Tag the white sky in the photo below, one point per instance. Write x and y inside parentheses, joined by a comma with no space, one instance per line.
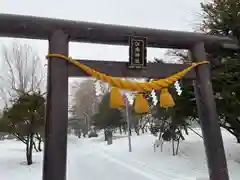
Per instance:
(162,14)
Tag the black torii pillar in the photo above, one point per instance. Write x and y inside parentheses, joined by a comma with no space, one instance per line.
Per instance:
(209,119)
(55,149)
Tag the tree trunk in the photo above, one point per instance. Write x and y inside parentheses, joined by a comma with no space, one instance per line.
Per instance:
(125,129)
(84,134)
(79,134)
(109,136)
(35,147)
(39,138)
(120,129)
(178,142)
(173,148)
(160,136)
(105,135)
(29,148)
(137,130)
(39,144)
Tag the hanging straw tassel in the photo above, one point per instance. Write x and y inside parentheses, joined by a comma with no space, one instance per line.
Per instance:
(166,99)
(141,105)
(116,99)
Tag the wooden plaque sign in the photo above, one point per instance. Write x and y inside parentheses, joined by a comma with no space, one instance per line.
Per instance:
(137,52)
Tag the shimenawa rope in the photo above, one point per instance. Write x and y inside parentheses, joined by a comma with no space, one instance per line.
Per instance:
(141,104)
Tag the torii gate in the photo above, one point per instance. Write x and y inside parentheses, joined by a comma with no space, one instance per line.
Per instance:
(60,32)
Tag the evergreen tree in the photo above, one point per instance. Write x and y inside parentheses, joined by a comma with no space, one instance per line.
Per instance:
(107,118)
(24,119)
(220,18)
(170,122)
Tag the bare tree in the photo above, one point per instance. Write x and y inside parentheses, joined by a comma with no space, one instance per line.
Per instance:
(22,70)
(85,101)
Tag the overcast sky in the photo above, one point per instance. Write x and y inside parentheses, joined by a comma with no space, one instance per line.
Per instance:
(161,14)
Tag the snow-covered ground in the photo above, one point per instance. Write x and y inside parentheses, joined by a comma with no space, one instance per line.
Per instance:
(91,159)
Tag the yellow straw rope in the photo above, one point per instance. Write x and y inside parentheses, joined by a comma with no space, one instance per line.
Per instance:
(128,85)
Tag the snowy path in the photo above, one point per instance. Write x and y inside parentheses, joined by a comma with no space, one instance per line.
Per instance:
(95,166)
(96,162)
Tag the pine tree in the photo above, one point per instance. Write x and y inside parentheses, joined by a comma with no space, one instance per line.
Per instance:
(107,118)
(220,17)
